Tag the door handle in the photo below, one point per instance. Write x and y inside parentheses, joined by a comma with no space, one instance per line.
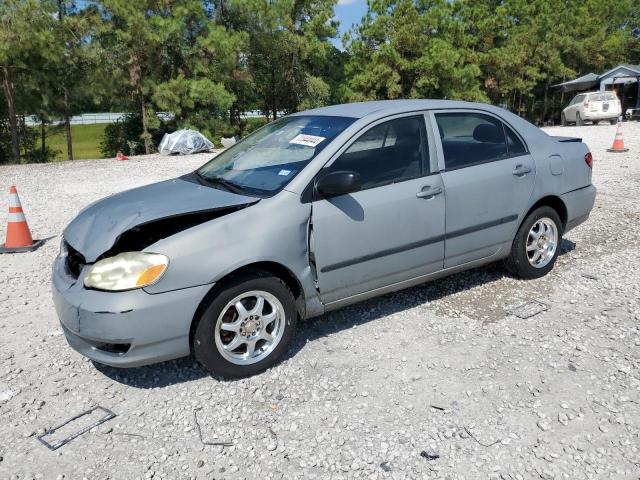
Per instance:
(428,192)
(521,170)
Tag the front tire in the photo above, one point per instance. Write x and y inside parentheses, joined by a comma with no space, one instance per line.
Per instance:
(613,121)
(536,245)
(563,120)
(247,326)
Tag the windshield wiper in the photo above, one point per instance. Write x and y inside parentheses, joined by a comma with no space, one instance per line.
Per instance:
(229,186)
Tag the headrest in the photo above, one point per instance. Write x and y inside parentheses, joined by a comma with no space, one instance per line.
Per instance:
(408,137)
(488,133)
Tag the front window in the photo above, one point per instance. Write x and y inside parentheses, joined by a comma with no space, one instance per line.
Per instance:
(265,161)
(390,152)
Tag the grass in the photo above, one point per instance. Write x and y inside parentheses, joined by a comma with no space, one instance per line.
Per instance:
(86,141)
(87,138)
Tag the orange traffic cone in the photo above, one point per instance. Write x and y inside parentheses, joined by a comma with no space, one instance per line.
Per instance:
(121,156)
(618,142)
(18,234)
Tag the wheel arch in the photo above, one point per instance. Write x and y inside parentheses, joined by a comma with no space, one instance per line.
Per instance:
(554,202)
(275,268)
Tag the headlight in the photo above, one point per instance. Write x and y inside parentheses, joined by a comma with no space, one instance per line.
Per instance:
(126,271)
(63,248)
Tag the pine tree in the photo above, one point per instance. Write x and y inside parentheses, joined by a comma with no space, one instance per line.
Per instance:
(27,46)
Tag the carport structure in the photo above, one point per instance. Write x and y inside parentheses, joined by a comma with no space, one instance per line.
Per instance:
(624,79)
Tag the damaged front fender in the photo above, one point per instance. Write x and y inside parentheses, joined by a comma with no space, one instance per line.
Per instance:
(135,219)
(274,231)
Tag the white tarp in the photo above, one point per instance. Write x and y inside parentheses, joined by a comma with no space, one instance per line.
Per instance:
(184,142)
(228,142)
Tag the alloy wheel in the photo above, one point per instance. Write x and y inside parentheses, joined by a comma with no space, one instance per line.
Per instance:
(250,327)
(542,242)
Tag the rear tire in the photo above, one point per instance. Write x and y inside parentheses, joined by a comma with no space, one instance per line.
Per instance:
(563,120)
(536,245)
(613,121)
(596,122)
(238,334)
(579,121)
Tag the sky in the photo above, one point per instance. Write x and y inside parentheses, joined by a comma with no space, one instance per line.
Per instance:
(348,12)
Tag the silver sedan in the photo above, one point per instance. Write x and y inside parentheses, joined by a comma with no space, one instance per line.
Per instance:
(312,212)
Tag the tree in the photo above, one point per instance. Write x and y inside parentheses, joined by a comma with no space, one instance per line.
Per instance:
(135,34)
(78,56)
(288,52)
(206,58)
(542,42)
(209,61)
(27,47)
(509,52)
(407,49)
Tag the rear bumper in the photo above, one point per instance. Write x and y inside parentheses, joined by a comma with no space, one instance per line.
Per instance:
(601,115)
(124,329)
(579,204)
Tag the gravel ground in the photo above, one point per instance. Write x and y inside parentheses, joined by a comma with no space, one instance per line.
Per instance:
(438,381)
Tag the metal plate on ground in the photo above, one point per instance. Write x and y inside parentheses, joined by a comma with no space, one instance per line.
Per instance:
(528,309)
(87,416)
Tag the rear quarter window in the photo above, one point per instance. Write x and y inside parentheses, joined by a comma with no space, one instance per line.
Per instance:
(514,144)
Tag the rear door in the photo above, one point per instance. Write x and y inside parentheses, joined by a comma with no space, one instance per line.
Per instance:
(393,229)
(488,178)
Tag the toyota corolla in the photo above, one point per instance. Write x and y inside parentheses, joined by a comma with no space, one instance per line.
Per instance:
(312,212)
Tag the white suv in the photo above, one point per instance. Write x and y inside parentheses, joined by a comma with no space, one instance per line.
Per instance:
(593,106)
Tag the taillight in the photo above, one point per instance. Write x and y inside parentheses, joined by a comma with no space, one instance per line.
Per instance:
(586,104)
(588,158)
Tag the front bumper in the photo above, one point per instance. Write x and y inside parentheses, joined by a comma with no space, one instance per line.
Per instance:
(124,329)
(579,204)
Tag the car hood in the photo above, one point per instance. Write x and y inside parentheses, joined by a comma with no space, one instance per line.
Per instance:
(96,228)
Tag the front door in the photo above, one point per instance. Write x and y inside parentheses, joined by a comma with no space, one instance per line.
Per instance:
(393,229)
(488,179)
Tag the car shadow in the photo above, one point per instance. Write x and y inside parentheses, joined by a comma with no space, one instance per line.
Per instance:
(157,375)
(188,369)
(389,304)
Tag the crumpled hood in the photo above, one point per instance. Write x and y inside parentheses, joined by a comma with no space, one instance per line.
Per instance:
(98,226)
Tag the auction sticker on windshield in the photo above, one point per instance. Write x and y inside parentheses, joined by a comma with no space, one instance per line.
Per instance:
(306,140)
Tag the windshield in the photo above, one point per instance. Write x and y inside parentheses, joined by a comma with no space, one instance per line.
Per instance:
(265,161)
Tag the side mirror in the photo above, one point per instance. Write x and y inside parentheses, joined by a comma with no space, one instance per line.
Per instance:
(338,183)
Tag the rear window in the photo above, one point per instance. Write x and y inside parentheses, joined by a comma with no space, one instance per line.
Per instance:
(602,97)
(470,139)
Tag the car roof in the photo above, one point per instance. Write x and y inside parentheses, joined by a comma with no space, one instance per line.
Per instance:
(362,109)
